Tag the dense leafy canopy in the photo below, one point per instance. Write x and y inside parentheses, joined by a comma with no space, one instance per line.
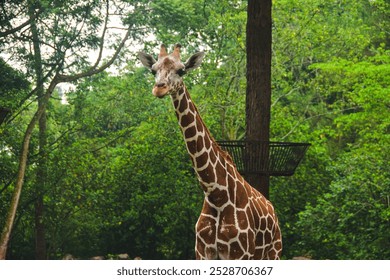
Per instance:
(119,178)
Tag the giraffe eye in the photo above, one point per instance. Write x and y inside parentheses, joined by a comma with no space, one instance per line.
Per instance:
(181,72)
(154,72)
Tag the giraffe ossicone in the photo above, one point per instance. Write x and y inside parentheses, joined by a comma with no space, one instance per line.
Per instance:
(236,221)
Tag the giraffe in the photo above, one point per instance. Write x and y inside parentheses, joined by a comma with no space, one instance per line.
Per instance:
(236,221)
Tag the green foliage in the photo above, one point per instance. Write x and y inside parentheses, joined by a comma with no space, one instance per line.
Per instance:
(119,177)
(14,87)
(351,221)
(330,73)
(158,194)
(354,210)
(360,92)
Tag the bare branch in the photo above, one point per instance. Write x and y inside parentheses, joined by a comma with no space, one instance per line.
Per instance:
(94,70)
(103,36)
(18,28)
(15,29)
(284,95)
(117,28)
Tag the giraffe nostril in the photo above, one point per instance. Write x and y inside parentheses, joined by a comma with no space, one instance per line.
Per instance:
(160,85)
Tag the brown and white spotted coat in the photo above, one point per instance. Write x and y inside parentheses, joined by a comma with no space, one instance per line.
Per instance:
(237,221)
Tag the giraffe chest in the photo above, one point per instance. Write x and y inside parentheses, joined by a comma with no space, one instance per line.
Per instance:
(224,234)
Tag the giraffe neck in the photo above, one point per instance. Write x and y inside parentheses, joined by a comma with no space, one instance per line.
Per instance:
(236,221)
(211,164)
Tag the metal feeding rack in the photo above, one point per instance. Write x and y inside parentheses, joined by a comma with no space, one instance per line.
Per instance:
(281,158)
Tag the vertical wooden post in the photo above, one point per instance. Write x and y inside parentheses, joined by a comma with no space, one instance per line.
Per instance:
(258,92)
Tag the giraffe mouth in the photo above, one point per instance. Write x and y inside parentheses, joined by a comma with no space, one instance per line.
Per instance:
(160,91)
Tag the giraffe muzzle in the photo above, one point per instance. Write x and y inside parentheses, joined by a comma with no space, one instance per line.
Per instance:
(160,90)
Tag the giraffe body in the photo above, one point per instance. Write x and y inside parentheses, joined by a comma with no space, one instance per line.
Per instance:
(237,221)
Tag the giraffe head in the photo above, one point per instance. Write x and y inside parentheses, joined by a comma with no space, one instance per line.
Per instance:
(168,69)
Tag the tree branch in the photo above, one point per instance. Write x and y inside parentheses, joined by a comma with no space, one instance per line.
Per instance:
(283,95)
(103,36)
(94,70)
(15,29)
(315,116)
(24,24)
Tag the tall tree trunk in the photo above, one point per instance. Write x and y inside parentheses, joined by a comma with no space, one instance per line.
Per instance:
(258,92)
(41,173)
(42,101)
(41,178)
(7,229)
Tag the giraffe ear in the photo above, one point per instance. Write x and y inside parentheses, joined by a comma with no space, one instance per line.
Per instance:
(146,59)
(194,61)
